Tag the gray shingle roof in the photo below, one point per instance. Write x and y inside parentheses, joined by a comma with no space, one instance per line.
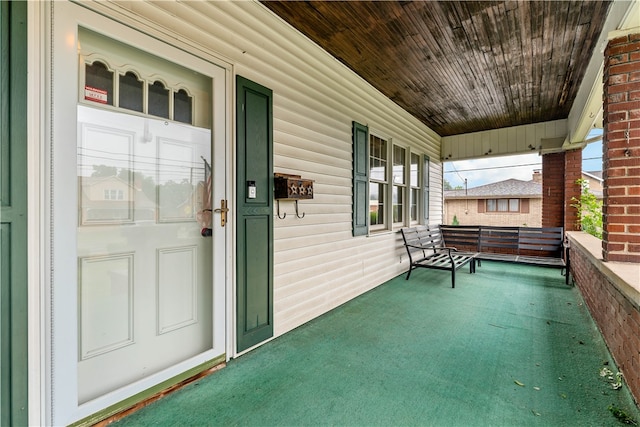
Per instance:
(501,189)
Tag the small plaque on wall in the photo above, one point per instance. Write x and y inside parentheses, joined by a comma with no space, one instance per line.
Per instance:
(292,187)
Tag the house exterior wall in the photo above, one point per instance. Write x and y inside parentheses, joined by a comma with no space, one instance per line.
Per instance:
(466,211)
(318,264)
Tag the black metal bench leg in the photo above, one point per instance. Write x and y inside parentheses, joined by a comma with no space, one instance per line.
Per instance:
(408,273)
(453,277)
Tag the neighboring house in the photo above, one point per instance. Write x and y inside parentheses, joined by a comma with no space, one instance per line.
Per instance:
(594,183)
(510,203)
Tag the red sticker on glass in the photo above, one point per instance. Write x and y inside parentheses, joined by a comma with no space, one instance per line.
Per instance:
(95,94)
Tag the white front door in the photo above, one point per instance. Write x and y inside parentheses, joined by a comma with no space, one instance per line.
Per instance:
(138,163)
(144,269)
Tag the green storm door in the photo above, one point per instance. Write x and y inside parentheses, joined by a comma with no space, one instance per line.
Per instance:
(254,309)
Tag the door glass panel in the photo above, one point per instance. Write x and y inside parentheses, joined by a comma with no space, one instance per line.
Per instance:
(98,83)
(130,92)
(182,105)
(158,100)
(144,269)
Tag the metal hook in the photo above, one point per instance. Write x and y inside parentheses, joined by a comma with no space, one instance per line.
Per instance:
(278,210)
(296,202)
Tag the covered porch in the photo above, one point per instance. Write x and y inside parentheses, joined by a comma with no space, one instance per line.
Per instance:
(511,345)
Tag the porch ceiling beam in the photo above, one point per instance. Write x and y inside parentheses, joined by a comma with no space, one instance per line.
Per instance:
(525,139)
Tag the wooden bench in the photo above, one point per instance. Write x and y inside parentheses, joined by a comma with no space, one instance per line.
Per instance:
(426,249)
(543,246)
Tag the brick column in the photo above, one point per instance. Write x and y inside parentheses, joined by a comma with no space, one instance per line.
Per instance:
(553,190)
(560,171)
(621,150)
(572,190)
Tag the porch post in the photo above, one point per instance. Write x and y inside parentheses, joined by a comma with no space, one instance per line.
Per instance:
(560,171)
(572,190)
(621,149)
(553,190)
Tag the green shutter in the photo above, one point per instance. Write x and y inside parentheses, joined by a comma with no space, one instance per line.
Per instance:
(254,217)
(13,213)
(360,135)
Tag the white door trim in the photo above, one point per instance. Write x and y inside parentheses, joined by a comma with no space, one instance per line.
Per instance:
(58,236)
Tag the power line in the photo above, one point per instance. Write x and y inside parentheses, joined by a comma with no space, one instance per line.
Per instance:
(456,171)
(493,167)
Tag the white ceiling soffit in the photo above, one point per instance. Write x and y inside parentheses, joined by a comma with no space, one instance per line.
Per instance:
(586,112)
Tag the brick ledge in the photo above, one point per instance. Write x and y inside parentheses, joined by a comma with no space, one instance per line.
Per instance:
(625,276)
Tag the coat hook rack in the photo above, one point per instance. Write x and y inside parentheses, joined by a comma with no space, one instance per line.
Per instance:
(291,188)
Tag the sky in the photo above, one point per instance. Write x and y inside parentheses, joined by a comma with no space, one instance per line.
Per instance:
(494,169)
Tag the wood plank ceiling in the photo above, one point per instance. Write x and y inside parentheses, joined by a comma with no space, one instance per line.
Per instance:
(460,66)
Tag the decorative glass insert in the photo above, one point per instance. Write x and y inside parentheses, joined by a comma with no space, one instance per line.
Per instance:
(182,107)
(98,83)
(158,100)
(131,96)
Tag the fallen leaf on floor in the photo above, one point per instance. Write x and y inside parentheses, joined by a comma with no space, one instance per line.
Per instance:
(518,383)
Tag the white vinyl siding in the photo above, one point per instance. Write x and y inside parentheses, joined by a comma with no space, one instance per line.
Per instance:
(318,263)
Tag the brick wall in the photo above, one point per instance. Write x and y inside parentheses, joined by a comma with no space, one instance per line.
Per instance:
(553,190)
(621,150)
(467,214)
(617,317)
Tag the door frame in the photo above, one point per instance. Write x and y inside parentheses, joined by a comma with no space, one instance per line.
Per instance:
(45,232)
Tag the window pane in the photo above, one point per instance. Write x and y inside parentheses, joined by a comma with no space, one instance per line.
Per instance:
(502,205)
(378,158)
(376,203)
(98,83)
(514,205)
(414,204)
(491,205)
(415,161)
(130,92)
(158,100)
(397,199)
(182,106)
(398,165)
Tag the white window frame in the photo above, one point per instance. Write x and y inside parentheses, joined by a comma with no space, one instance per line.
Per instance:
(404,188)
(399,185)
(381,183)
(417,188)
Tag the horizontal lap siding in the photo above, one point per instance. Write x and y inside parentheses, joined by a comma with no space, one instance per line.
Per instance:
(318,264)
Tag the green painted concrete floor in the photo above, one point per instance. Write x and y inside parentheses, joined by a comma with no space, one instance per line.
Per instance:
(509,346)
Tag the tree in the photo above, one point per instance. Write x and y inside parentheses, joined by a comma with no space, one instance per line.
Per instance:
(589,210)
(447,185)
